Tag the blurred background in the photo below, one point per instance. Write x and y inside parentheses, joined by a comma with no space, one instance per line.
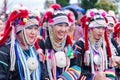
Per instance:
(81,6)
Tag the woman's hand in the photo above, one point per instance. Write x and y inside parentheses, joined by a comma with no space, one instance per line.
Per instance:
(100,76)
(117,60)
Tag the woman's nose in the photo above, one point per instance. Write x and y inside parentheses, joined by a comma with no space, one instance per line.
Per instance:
(34,31)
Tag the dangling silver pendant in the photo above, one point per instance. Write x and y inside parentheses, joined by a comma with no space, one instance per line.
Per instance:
(97,60)
(32,63)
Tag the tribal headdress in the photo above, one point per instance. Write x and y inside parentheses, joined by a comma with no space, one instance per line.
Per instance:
(18,19)
(55,15)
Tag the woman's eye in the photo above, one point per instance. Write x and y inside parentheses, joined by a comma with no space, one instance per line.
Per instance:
(29,28)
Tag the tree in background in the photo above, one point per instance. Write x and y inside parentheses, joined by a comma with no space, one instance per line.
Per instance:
(88,4)
(107,5)
(99,4)
(63,2)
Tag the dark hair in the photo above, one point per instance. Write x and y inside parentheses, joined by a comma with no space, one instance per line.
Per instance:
(74,12)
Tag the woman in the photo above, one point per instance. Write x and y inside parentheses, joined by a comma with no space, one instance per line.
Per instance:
(58,44)
(93,57)
(75,30)
(19,59)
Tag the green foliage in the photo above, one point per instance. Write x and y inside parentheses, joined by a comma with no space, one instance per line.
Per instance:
(99,4)
(63,2)
(88,4)
(104,4)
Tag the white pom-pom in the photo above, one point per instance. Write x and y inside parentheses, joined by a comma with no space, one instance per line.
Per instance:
(111,13)
(60,59)
(39,51)
(97,60)
(32,64)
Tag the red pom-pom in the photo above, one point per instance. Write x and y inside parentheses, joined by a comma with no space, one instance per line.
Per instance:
(55,6)
(68,40)
(48,14)
(70,17)
(108,44)
(116,29)
(75,55)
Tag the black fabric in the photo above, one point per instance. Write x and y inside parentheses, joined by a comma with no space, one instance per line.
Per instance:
(79,60)
(5,74)
(116,46)
(118,50)
(43,65)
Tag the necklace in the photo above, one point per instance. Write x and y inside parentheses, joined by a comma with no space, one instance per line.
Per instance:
(57,46)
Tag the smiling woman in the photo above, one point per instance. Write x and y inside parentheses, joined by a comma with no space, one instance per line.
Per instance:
(19,59)
(58,45)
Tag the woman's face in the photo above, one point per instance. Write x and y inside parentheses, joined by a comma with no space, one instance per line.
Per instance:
(31,34)
(60,31)
(110,29)
(97,32)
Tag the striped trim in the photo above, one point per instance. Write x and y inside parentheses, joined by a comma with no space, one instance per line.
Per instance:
(4,63)
(83,77)
(61,19)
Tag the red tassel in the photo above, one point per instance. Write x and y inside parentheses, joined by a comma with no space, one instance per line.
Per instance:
(107,44)
(9,19)
(84,20)
(68,40)
(36,43)
(114,19)
(42,20)
(106,19)
(6,33)
(38,19)
(39,51)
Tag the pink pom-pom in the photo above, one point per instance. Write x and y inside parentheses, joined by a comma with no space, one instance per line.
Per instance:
(103,14)
(20,22)
(51,20)
(92,13)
